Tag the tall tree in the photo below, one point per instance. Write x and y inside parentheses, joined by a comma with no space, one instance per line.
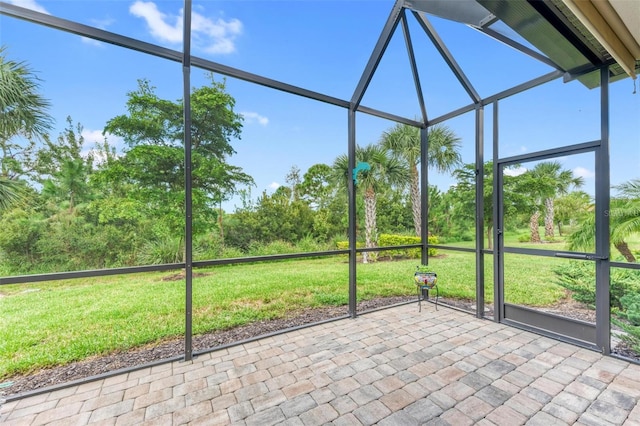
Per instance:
(69,184)
(542,184)
(23,114)
(63,168)
(443,154)
(68,146)
(154,160)
(563,181)
(294,180)
(383,171)
(464,192)
(316,186)
(571,209)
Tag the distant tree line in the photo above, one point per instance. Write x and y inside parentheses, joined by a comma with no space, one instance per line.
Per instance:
(67,206)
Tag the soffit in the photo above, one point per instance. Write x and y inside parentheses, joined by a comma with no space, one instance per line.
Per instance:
(577,43)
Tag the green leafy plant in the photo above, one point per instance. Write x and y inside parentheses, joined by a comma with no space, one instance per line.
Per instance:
(579,278)
(631,313)
(162,250)
(398,240)
(631,308)
(524,238)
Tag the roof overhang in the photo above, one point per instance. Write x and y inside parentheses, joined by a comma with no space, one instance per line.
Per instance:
(615,24)
(577,37)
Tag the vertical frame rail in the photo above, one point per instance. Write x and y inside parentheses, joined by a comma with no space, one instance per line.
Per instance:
(603,240)
(424,194)
(351,189)
(498,272)
(480,212)
(188,229)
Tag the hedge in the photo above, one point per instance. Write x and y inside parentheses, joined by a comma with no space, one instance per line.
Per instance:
(397,240)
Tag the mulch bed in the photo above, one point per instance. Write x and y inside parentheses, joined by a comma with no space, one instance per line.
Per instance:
(175,347)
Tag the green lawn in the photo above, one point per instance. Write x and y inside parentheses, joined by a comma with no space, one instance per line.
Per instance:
(45,324)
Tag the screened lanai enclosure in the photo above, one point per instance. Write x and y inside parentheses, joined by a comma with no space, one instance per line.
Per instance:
(333,148)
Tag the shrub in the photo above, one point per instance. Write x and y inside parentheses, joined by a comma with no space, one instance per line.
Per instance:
(209,246)
(344,245)
(631,334)
(274,247)
(397,240)
(631,308)
(578,277)
(309,244)
(162,250)
(231,252)
(467,237)
(631,327)
(21,231)
(524,238)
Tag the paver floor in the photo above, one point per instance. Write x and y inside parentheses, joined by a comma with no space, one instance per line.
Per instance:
(391,367)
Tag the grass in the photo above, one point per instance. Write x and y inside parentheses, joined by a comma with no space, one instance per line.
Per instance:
(48,324)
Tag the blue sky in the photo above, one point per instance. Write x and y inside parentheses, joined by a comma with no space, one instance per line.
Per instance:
(322,46)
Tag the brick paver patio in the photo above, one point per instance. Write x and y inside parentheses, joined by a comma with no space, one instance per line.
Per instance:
(391,367)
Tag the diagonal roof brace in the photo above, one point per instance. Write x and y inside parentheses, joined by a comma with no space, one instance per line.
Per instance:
(447,56)
(378,51)
(414,67)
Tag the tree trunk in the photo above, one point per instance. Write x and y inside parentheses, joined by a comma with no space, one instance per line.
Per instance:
(548,218)
(416,202)
(489,234)
(533,227)
(370,225)
(221,227)
(623,248)
(559,229)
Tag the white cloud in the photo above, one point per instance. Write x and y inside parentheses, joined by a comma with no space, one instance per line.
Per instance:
(213,36)
(103,23)
(156,20)
(29,4)
(93,137)
(90,41)
(254,117)
(274,185)
(517,171)
(582,172)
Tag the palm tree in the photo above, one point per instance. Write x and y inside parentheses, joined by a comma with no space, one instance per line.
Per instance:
(543,183)
(383,171)
(22,113)
(22,108)
(624,221)
(403,141)
(563,180)
(10,193)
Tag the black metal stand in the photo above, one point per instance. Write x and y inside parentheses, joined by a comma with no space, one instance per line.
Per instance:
(423,294)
